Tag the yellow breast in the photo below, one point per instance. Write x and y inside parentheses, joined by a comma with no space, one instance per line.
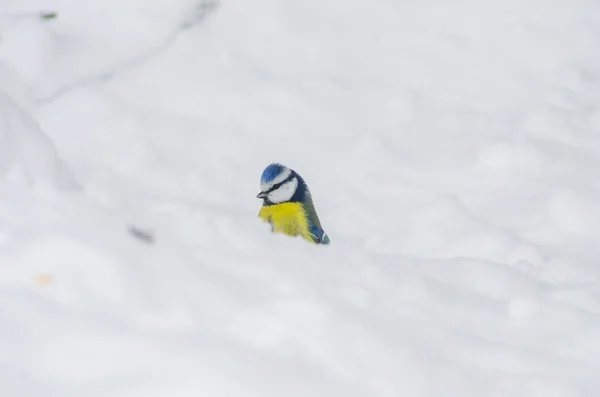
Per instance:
(287,218)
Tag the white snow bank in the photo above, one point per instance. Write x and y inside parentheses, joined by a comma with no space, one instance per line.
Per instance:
(452,151)
(27,155)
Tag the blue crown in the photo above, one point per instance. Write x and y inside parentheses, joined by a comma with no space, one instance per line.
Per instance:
(271,172)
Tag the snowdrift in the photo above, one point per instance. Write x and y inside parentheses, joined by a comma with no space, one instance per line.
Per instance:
(451,148)
(27,154)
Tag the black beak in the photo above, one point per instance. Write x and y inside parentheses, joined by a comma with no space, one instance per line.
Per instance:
(261,195)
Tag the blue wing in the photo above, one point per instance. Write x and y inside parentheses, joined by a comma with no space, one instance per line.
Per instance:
(320,237)
(314,224)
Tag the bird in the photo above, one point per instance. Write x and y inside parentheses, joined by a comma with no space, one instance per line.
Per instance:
(288,205)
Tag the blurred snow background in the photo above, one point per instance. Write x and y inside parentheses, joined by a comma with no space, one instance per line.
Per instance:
(452,149)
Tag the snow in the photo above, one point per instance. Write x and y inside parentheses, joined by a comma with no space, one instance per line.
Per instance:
(451,149)
(28,155)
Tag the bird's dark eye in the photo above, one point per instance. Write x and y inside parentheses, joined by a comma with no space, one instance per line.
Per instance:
(278,185)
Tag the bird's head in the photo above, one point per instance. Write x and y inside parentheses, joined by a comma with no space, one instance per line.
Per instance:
(280,184)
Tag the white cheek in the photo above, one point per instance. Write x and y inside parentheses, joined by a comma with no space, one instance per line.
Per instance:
(284,193)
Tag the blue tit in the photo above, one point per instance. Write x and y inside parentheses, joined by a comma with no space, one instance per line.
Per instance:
(288,205)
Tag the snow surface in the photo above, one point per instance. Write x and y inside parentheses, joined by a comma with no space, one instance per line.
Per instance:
(452,149)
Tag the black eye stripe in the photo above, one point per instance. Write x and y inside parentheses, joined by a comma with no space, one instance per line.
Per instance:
(278,185)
